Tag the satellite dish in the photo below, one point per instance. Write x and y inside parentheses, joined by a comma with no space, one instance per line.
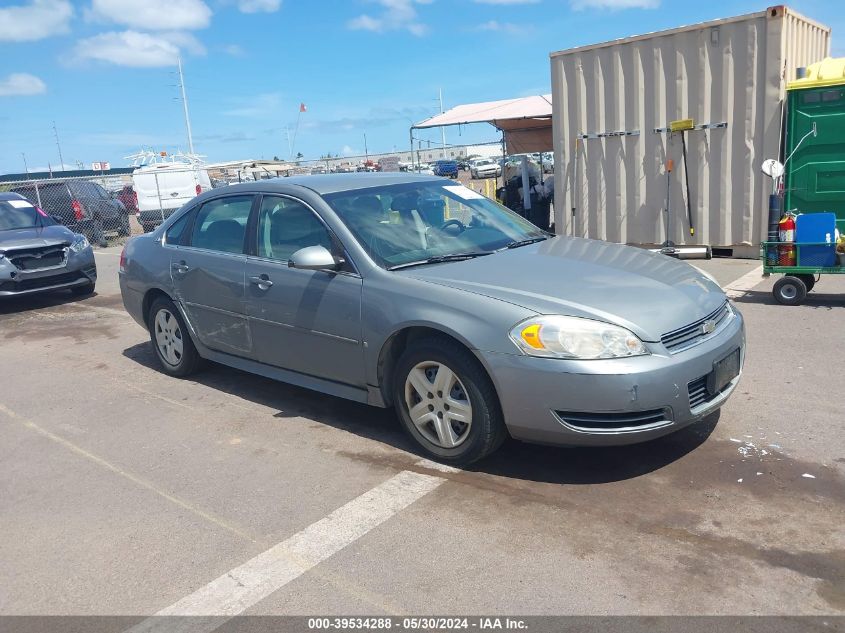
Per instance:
(772,168)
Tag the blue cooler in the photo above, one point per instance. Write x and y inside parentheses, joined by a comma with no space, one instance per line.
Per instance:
(815,227)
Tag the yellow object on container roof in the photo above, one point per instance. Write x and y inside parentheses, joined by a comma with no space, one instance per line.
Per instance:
(828,72)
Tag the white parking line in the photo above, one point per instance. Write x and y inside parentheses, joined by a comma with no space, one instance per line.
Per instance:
(237,590)
(741,286)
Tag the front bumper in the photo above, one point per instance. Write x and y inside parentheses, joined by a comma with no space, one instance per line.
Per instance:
(611,402)
(79,269)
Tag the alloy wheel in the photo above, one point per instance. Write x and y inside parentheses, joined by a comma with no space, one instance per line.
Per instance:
(438,404)
(168,337)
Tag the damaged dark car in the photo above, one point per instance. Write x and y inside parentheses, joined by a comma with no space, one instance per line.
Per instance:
(38,254)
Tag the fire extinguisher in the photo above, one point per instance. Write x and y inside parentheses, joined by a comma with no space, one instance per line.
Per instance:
(786,235)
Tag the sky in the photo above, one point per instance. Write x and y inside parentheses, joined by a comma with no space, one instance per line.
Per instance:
(104,71)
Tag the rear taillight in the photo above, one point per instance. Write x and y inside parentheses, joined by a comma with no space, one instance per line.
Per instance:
(199,189)
(78,209)
(123,260)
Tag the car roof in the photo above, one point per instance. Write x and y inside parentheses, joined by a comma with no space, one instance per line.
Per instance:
(334,183)
(10,195)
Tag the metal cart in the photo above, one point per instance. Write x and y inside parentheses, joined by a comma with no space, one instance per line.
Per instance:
(798,280)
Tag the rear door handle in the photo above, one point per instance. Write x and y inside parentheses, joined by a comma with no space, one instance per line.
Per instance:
(262,281)
(180,268)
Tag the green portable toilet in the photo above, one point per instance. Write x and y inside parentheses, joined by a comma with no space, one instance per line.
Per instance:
(815,175)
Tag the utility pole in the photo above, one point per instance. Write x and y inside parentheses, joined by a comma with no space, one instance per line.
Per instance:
(442,129)
(56,134)
(290,147)
(25,168)
(185,105)
(366,153)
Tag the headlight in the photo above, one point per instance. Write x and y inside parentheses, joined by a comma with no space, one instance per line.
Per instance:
(80,243)
(573,337)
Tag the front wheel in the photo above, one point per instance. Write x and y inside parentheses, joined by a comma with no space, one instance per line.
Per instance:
(790,291)
(447,403)
(171,341)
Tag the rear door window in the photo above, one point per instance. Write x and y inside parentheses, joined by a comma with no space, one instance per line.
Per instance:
(220,224)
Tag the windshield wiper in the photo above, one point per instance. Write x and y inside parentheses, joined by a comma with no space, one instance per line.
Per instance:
(439,259)
(530,240)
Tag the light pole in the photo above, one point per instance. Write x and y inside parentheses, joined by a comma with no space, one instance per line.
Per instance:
(25,168)
(442,129)
(366,153)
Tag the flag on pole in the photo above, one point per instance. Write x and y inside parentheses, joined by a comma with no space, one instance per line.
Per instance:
(302,108)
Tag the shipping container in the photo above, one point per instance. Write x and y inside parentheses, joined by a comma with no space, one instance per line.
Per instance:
(613,101)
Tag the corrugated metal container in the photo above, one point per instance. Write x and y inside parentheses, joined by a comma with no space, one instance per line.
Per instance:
(612,184)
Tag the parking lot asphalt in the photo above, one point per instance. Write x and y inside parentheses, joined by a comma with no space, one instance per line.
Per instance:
(124,491)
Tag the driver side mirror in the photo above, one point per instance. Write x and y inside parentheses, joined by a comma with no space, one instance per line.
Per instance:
(314,258)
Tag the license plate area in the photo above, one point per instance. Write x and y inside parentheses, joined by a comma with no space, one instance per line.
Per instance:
(724,371)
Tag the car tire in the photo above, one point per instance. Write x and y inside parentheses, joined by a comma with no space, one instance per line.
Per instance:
(84,291)
(439,420)
(170,339)
(790,291)
(124,230)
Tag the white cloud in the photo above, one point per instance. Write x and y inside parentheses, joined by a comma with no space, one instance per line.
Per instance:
(503,2)
(131,48)
(256,107)
(35,20)
(235,50)
(614,5)
(21,84)
(154,15)
(259,6)
(350,151)
(504,27)
(397,15)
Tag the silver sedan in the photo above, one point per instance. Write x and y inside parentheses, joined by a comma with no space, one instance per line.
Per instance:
(414,292)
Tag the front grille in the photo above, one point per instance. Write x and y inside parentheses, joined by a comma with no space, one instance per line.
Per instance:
(40,282)
(38,258)
(611,421)
(688,335)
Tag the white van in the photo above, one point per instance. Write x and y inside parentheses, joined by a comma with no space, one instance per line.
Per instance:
(163,188)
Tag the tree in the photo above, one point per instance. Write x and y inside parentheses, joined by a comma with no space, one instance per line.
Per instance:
(276,157)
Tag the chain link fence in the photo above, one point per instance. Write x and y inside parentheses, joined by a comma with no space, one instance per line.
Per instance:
(105,206)
(89,205)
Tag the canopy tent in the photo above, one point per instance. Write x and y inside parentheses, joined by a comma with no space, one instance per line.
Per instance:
(525,122)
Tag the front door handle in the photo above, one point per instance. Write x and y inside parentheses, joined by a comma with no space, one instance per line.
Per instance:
(262,281)
(180,268)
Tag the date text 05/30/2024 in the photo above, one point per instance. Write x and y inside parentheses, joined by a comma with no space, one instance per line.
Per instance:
(417,624)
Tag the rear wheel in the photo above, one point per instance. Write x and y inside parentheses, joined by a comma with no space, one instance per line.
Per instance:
(447,403)
(790,291)
(172,344)
(123,230)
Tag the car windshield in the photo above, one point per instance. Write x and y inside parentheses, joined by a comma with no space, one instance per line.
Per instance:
(20,214)
(412,223)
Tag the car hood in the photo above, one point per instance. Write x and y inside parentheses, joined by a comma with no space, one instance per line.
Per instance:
(648,293)
(35,238)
